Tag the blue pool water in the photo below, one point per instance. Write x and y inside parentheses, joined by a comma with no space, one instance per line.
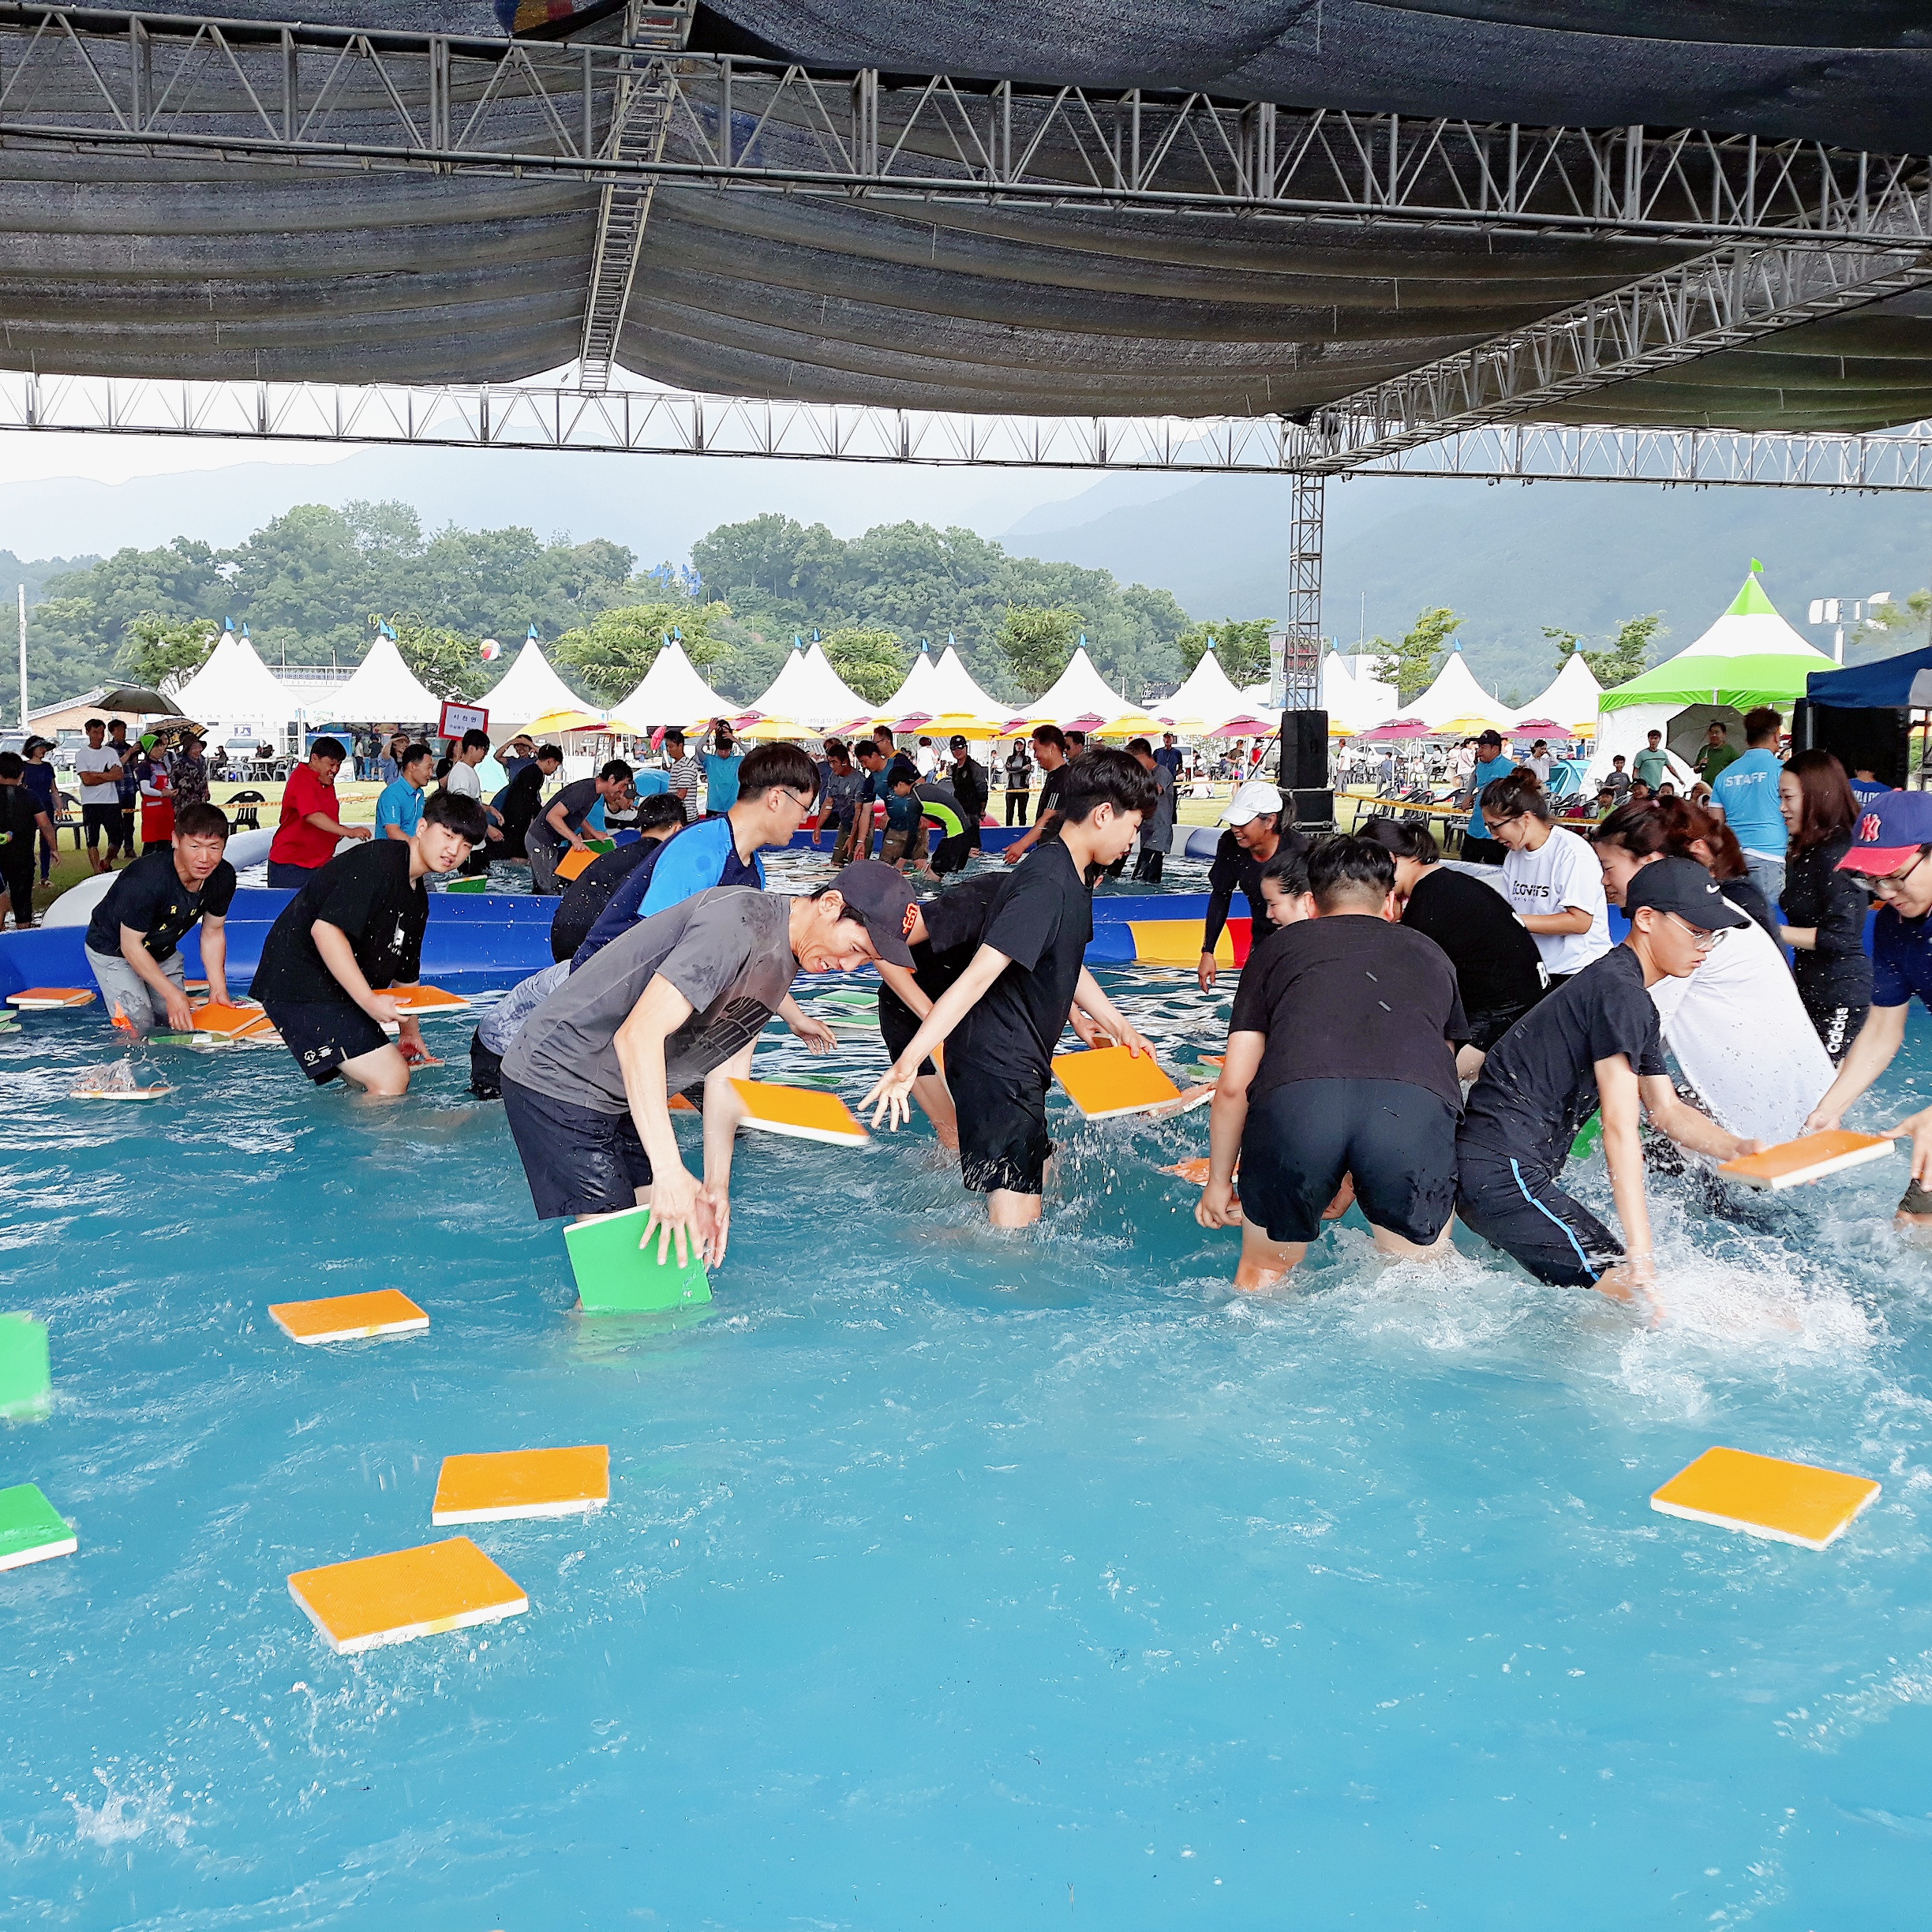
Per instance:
(949,1579)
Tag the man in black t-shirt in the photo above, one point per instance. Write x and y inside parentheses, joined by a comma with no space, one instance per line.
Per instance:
(562,821)
(1341,1062)
(1004,1013)
(520,802)
(353,930)
(133,940)
(1051,754)
(1256,834)
(1499,970)
(659,816)
(1592,1042)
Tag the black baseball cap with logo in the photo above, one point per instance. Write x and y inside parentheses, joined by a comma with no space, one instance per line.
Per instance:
(1682,886)
(881,898)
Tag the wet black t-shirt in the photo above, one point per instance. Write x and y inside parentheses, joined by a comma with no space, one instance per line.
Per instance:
(368,894)
(1351,997)
(1539,1084)
(956,922)
(1498,967)
(579,801)
(150,897)
(1236,870)
(591,891)
(1042,923)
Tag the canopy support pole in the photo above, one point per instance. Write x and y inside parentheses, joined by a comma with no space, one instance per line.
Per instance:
(1296,680)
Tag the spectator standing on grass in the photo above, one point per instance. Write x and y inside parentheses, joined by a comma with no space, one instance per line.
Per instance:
(1716,754)
(188,772)
(1019,769)
(1616,781)
(39,779)
(721,771)
(22,821)
(1479,847)
(1652,765)
(98,770)
(311,826)
(683,773)
(127,789)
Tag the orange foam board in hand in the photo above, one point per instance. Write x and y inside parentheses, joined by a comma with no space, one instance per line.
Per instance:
(230,1022)
(416,999)
(574,865)
(806,1113)
(1810,1157)
(1108,1081)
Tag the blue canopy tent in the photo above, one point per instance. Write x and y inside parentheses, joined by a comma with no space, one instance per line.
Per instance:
(1904,681)
(1863,713)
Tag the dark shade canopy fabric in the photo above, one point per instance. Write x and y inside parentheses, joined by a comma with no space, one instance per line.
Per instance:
(1870,686)
(114,264)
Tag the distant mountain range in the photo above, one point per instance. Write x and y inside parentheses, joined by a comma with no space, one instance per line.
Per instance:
(1509,558)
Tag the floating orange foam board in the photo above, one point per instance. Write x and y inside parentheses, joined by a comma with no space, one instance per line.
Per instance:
(119,1093)
(521,1482)
(230,1022)
(1763,1496)
(44,999)
(1199,1170)
(350,1318)
(416,999)
(407,1594)
(1109,1081)
(574,865)
(1809,1157)
(806,1113)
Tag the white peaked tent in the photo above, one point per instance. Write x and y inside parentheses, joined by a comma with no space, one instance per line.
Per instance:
(1079,691)
(1455,694)
(1570,698)
(672,692)
(234,693)
(808,691)
(527,691)
(385,690)
(953,689)
(1207,697)
(914,694)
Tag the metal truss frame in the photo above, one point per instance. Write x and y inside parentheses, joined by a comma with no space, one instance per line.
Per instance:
(678,423)
(262,91)
(640,120)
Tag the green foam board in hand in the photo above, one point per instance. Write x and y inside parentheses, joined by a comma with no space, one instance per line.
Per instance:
(615,1275)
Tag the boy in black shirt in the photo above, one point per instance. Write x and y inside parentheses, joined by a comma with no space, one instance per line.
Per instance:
(1499,970)
(1005,1012)
(1341,1061)
(1594,1041)
(133,940)
(355,929)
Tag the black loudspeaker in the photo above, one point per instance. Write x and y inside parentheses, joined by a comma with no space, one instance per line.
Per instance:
(1305,766)
(1876,739)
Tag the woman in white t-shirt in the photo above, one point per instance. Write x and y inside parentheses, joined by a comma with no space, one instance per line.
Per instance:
(1550,875)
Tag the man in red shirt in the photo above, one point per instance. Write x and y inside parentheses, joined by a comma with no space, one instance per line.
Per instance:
(311,824)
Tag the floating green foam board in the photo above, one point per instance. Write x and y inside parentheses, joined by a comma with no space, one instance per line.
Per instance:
(1589,1135)
(30,1528)
(468,885)
(615,1275)
(25,1382)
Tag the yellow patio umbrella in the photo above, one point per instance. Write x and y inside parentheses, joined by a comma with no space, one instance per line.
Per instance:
(555,724)
(961,724)
(1469,727)
(1133,725)
(774,730)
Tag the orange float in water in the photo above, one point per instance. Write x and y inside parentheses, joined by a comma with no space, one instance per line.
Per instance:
(407,1594)
(1763,1496)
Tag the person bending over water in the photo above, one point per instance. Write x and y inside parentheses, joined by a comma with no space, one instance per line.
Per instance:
(1341,1062)
(353,930)
(1594,1041)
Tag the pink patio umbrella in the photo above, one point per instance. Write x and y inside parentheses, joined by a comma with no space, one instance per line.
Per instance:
(1396,731)
(1244,727)
(1541,728)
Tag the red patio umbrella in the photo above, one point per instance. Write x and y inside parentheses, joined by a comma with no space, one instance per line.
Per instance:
(1541,728)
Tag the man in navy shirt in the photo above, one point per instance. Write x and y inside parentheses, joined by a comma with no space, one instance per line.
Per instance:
(1892,846)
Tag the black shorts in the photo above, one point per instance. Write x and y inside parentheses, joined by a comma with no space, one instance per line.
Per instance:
(1489,1023)
(1398,1140)
(898,1022)
(1482,851)
(1002,1128)
(99,818)
(1531,1218)
(485,1070)
(576,1160)
(324,1034)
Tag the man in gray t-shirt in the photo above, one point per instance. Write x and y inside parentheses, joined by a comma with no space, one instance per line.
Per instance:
(680,998)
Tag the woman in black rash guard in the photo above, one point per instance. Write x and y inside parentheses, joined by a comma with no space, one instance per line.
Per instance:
(1254,836)
(1499,970)
(1826,907)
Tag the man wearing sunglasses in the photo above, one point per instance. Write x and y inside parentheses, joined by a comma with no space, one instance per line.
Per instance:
(1593,1042)
(1890,846)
